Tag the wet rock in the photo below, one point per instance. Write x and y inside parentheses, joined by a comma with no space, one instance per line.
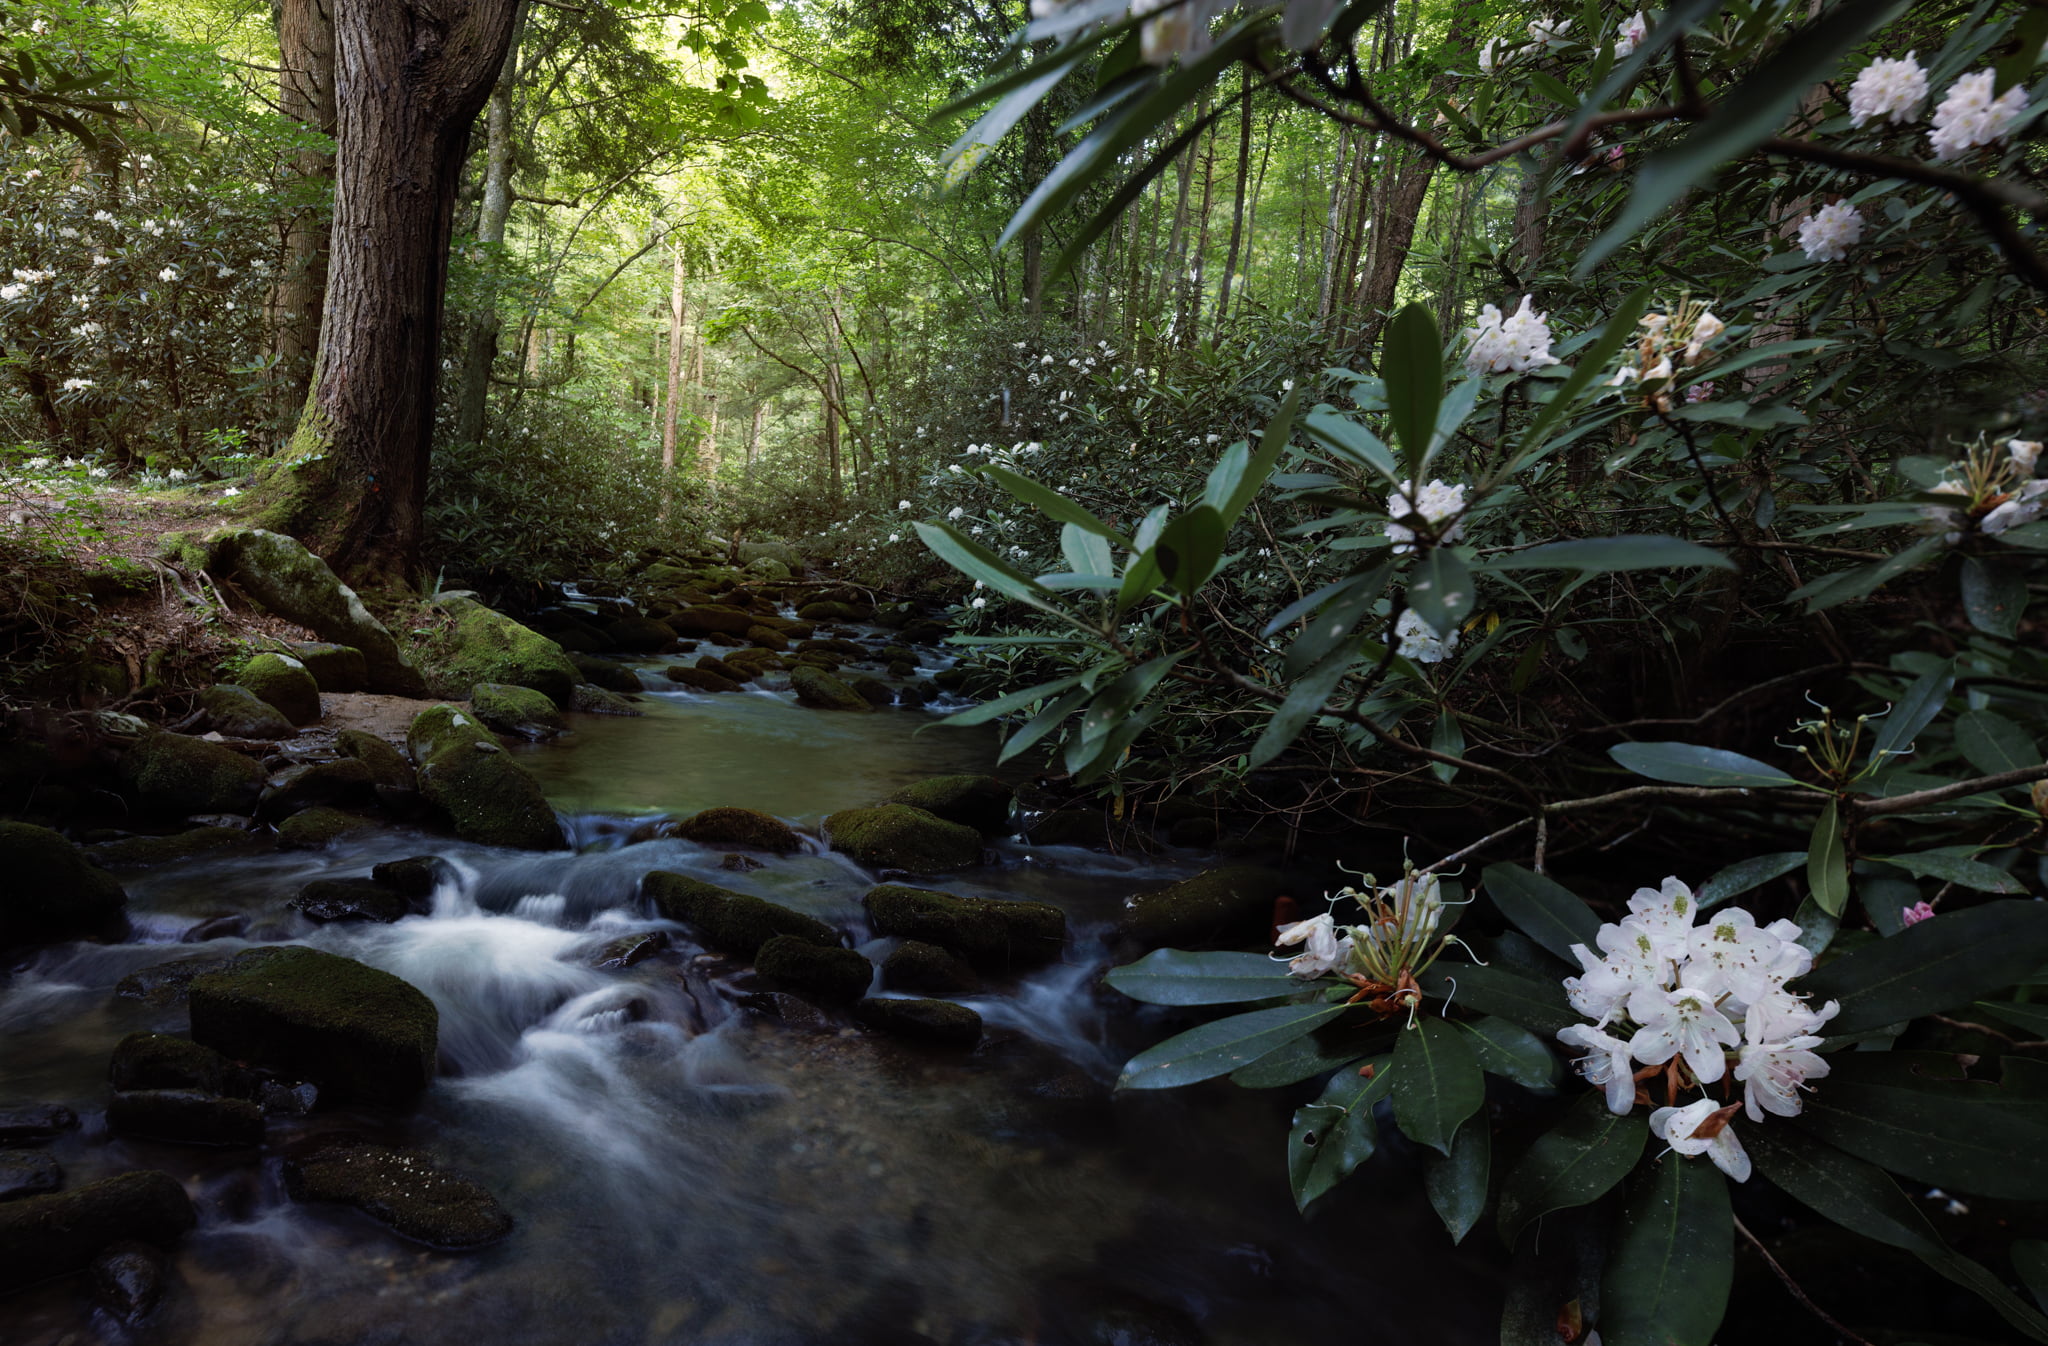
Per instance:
(487,646)
(186,1117)
(148,852)
(344,782)
(827,611)
(173,774)
(927,968)
(834,649)
(979,802)
(45,1236)
(284,682)
(822,663)
(730,922)
(606,673)
(712,664)
(640,634)
(161,1061)
(52,892)
(738,827)
(627,950)
(712,618)
(519,711)
(285,1100)
(387,765)
(128,1281)
(899,654)
(283,576)
(27,1173)
(940,1022)
(991,934)
(227,925)
(767,638)
(902,668)
(755,663)
(464,772)
(926,632)
(574,631)
(240,713)
(315,828)
(361,1035)
(403,1190)
(166,983)
(589,699)
(325,900)
(793,1011)
(821,691)
(873,691)
(31,1123)
(700,680)
(897,836)
(835,976)
(952,679)
(416,877)
(740,864)
(1231,905)
(1069,827)
(337,668)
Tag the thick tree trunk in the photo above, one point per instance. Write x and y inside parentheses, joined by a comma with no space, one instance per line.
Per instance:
(480,350)
(305,93)
(410,78)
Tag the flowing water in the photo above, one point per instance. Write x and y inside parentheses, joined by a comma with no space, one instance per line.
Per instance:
(683,1170)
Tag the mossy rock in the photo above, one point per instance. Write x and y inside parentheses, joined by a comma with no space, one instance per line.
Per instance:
(902,668)
(939,1022)
(403,1190)
(148,852)
(316,828)
(165,983)
(832,976)
(926,633)
(343,782)
(898,653)
(465,772)
(767,638)
(834,612)
(734,923)
(186,1117)
(821,691)
(979,802)
(61,1232)
(897,836)
(754,662)
(609,674)
(738,827)
(337,668)
(586,699)
(387,765)
(642,635)
(239,713)
(768,568)
(783,552)
(704,619)
(993,935)
(171,773)
(27,1173)
(1232,905)
(519,711)
(358,1034)
(415,877)
(324,901)
(711,663)
(52,892)
(487,646)
(161,1061)
(929,969)
(701,680)
(952,679)
(284,577)
(873,691)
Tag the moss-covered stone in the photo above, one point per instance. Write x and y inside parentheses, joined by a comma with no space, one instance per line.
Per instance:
(754,663)
(837,649)
(337,668)
(895,653)
(700,680)
(738,827)
(173,774)
(767,637)
(316,828)
(835,612)
(939,1022)
(239,713)
(952,679)
(186,1117)
(166,983)
(388,767)
(519,711)
(640,634)
(51,892)
(161,1061)
(979,802)
(283,576)
(831,976)
(147,852)
(360,1035)
(609,674)
(929,969)
(487,646)
(586,699)
(356,899)
(711,663)
(415,877)
(403,1190)
(465,772)
(706,618)
(45,1236)
(902,668)
(734,923)
(344,782)
(1232,905)
(897,836)
(27,1173)
(872,690)
(993,935)
(820,690)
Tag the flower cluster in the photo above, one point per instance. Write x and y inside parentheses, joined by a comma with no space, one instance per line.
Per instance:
(1419,640)
(1996,491)
(1887,89)
(1699,1005)
(1829,233)
(1667,343)
(1382,956)
(1519,341)
(1433,504)
(1968,116)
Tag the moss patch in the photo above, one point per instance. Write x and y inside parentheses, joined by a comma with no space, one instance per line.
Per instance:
(465,772)
(520,711)
(979,802)
(313,829)
(240,713)
(738,827)
(939,1022)
(140,852)
(171,773)
(833,976)
(487,646)
(730,922)
(45,1236)
(403,1190)
(51,892)
(990,934)
(284,682)
(897,836)
(1232,905)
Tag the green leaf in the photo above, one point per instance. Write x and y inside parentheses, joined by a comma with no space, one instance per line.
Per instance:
(1512,1052)
(1573,1164)
(1456,1183)
(1437,1082)
(1846,585)
(1441,590)
(1916,1114)
(1691,764)
(1332,626)
(1541,908)
(1187,551)
(2030,1256)
(1933,966)
(2021,1014)
(1592,364)
(1993,744)
(1914,711)
(1043,723)
(1953,868)
(1536,1003)
(1253,477)
(1335,1134)
(1087,553)
(1052,504)
(1342,1044)
(1827,863)
(1412,364)
(1744,875)
(1673,1258)
(1221,1047)
(1305,701)
(1113,704)
(1994,595)
(1174,977)
(1446,737)
(977,562)
(1627,551)
(1003,705)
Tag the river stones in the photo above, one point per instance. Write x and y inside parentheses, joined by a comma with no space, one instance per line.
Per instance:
(607,673)
(148,852)
(161,1061)
(45,1236)
(991,934)
(52,892)
(337,668)
(186,1117)
(240,713)
(940,1022)
(702,680)
(416,877)
(1231,905)
(897,836)
(487,646)
(628,950)
(828,611)
(128,1280)
(589,699)
(705,619)
(519,711)
(28,1172)
(404,1190)
(282,575)
(173,774)
(767,638)
(355,899)
(465,773)
(734,923)
(387,765)
(167,982)
(819,690)
(737,827)
(284,682)
(343,782)
(29,1123)
(917,966)
(834,976)
(359,1034)
(979,802)
(642,635)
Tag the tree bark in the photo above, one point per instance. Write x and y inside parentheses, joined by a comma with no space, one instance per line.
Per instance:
(673,405)
(410,78)
(1244,164)
(480,351)
(305,93)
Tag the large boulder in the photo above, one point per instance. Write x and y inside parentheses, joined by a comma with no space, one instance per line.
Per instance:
(833,976)
(388,768)
(706,618)
(465,772)
(737,827)
(519,711)
(337,668)
(52,891)
(403,1190)
(979,802)
(240,713)
(359,1034)
(45,1236)
(820,690)
(487,646)
(991,934)
(295,584)
(284,682)
(171,773)
(781,552)
(897,836)
(734,923)
(1231,905)
(642,635)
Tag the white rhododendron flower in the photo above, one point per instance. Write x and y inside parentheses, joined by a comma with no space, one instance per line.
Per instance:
(1546,30)
(1326,949)
(169,273)
(2023,507)
(1680,1128)
(1420,641)
(1887,89)
(2024,453)
(77,385)
(1519,342)
(1633,30)
(1829,233)
(1968,116)
(1433,504)
(1773,1073)
(1606,1065)
(12,291)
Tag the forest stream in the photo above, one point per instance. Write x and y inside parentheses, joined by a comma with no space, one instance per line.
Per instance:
(689,1161)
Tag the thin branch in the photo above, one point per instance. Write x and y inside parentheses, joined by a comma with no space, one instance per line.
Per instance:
(1792,1287)
(1920,799)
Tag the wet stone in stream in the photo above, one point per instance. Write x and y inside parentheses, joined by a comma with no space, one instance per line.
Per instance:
(27,1172)
(403,1190)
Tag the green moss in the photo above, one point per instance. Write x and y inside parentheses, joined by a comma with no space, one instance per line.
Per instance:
(739,827)
(402,1190)
(991,934)
(699,679)
(160,1061)
(465,772)
(705,618)
(516,710)
(52,892)
(239,713)
(186,1117)
(50,1235)
(175,774)
(835,976)
(979,802)
(897,836)
(487,646)
(141,852)
(588,700)
(918,966)
(730,922)
(834,612)
(387,764)
(279,573)
(337,668)
(1232,905)
(315,828)
(820,690)
(940,1022)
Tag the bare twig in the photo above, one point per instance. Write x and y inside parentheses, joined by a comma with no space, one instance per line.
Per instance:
(1792,1287)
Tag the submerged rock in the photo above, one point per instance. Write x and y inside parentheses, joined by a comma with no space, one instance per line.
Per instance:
(991,934)
(283,576)
(918,966)
(730,922)
(52,892)
(465,772)
(821,691)
(979,802)
(940,1022)
(897,836)
(284,682)
(487,646)
(186,1117)
(45,1236)
(240,713)
(171,773)
(835,976)
(737,827)
(361,1035)
(128,1280)
(325,900)
(520,711)
(1230,905)
(403,1190)
(28,1172)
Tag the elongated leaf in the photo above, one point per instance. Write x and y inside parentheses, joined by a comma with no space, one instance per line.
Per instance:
(1827,864)
(1512,1052)
(1627,551)
(1089,555)
(1447,738)
(1354,442)
(1335,1134)
(1259,468)
(1441,590)
(1933,966)
(1412,363)
(1221,1047)
(1916,1114)
(1345,1043)
(975,561)
(1994,594)
(2021,1014)
(1541,908)
(1915,711)
(1691,764)
(1004,705)
(1132,187)
(1574,1164)
(1536,1003)
(1114,703)
(1437,1082)
(1955,868)
(1744,875)
(1064,57)
(1673,1259)
(1593,363)
(1305,700)
(1187,551)
(1052,504)
(1993,744)
(1175,977)
(1456,1183)
(1043,723)
(1847,585)
(1334,625)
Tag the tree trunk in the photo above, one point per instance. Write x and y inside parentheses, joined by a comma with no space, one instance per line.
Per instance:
(754,444)
(305,93)
(673,406)
(1244,166)
(480,351)
(707,448)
